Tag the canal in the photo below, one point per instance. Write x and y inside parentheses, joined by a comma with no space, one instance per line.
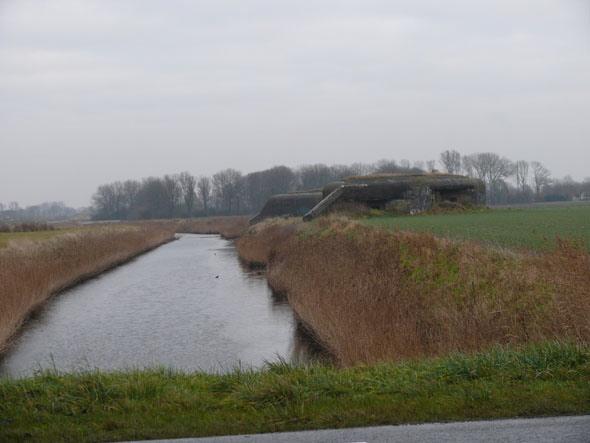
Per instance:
(188,305)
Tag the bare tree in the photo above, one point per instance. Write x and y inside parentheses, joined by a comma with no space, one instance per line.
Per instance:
(131,190)
(387,167)
(430,165)
(491,168)
(259,186)
(521,173)
(188,185)
(204,189)
(227,187)
(314,176)
(173,194)
(541,177)
(360,169)
(105,202)
(451,161)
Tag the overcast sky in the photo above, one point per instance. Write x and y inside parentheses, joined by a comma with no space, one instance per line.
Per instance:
(97,91)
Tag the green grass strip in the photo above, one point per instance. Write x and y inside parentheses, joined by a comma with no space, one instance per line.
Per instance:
(526,228)
(547,379)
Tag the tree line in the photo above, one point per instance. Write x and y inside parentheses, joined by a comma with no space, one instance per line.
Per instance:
(229,192)
(509,182)
(49,211)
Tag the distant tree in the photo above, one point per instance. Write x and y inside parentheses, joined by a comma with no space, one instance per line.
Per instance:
(562,190)
(451,162)
(153,199)
(279,179)
(419,164)
(13,206)
(259,186)
(405,164)
(541,177)
(204,190)
(239,194)
(227,188)
(359,169)
(188,185)
(105,202)
(131,190)
(430,165)
(387,167)
(491,168)
(521,173)
(314,176)
(173,194)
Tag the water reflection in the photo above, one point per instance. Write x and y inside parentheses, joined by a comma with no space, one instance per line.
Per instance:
(188,305)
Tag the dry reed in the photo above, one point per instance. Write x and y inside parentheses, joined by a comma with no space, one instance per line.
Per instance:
(256,245)
(373,295)
(30,272)
(228,227)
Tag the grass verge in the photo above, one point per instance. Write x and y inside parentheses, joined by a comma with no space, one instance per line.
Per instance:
(548,379)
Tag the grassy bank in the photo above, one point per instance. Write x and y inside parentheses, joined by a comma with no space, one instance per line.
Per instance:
(536,227)
(549,379)
(38,265)
(373,295)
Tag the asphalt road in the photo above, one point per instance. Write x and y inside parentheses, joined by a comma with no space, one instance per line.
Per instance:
(534,430)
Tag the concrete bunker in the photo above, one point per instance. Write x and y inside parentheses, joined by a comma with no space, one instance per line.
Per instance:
(404,193)
(295,204)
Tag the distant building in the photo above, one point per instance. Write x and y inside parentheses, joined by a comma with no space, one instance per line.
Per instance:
(405,193)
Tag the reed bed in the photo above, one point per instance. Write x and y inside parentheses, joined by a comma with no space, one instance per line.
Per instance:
(257,244)
(31,272)
(228,227)
(373,295)
(26,227)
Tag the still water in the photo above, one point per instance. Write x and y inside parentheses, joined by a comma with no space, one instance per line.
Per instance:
(188,305)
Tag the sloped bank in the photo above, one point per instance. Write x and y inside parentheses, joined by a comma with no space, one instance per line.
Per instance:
(371,295)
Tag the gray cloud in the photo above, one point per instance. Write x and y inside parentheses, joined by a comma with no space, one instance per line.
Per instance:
(94,91)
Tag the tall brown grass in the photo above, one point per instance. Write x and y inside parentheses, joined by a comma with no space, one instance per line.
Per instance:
(230,227)
(256,246)
(30,272)
(372,295)
(26,227)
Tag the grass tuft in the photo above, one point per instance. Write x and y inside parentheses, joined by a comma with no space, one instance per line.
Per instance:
(545,379)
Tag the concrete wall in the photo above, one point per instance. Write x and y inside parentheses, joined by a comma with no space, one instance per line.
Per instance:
(288,205)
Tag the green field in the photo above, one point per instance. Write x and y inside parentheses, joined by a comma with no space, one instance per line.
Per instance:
(548,379)
(536,227)
(6,237)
